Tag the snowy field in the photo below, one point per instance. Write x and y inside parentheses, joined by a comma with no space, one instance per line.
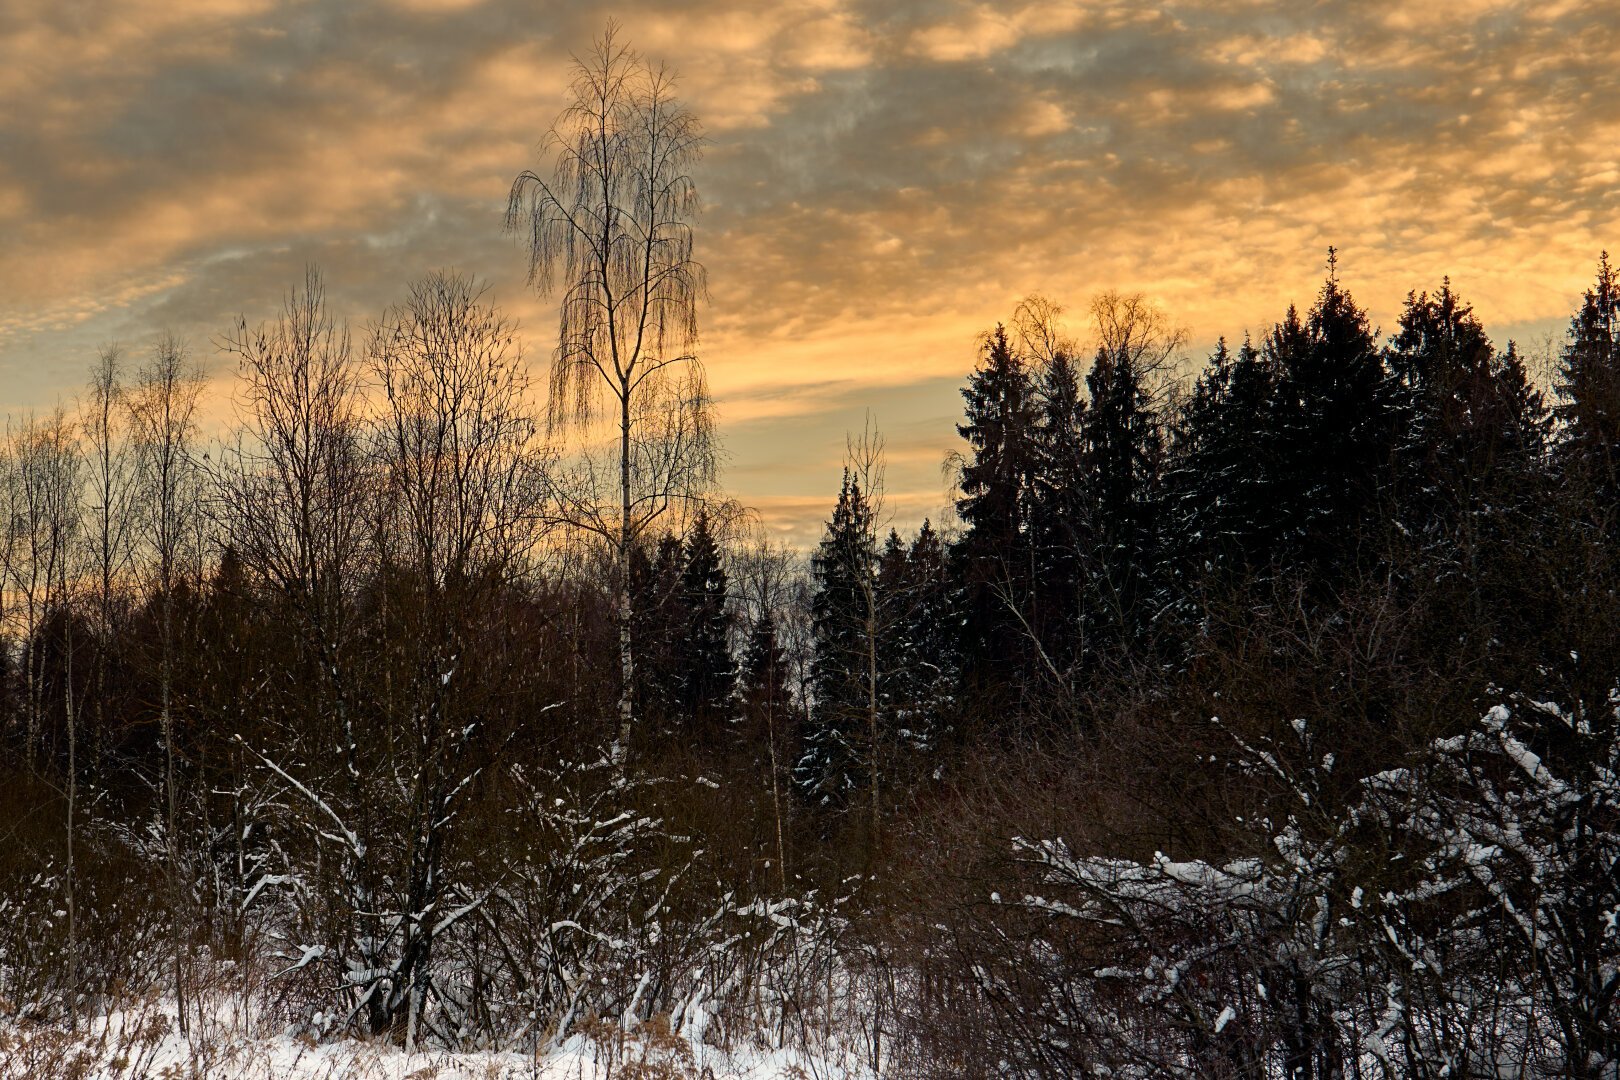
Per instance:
(147,1045)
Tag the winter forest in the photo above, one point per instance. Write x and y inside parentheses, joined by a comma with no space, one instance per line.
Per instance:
(1254,715)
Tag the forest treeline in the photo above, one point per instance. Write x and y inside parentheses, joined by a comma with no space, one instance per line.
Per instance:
(1255,720)
(337,689)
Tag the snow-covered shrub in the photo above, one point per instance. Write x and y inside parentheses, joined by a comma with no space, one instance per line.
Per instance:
(51,970)
(1511,918)
(605,911)
(1456,916)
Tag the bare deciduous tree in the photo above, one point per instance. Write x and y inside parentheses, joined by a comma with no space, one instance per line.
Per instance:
(612,227)
(291,501)
(162,413)
(109,509)
(463,484)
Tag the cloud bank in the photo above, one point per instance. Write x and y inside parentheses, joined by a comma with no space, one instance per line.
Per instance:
(884,178)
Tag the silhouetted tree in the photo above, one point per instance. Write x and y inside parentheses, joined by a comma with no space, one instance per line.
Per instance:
(614,221)
(707,672)
(1336,427)
(1589,390)
(1474,423)
(994,557)
(833,766)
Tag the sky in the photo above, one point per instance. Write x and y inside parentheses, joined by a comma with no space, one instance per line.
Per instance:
(883,180)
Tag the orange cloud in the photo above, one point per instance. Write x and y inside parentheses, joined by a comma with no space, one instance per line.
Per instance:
(884,179)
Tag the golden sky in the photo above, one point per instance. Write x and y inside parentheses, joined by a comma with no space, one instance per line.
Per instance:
(884,179)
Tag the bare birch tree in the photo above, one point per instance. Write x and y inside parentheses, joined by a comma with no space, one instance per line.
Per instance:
(110,503)
(611,229)
(45,485)
(162,413)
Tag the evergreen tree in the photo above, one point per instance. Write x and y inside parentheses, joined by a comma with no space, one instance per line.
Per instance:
(925,655)
(1124,451)
(1589,390)
(994,559)
(769,722)
(765,696)
(1474,425)
(893,588)
(1059,516)
(1219,501)
(656,591)
(833,765)
(1000,427)
(708,673)
(1336,424)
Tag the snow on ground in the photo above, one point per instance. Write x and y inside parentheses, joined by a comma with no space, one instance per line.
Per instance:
(284,1058)
(128,1046)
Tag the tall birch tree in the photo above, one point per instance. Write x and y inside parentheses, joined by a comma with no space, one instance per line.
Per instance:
(610,230)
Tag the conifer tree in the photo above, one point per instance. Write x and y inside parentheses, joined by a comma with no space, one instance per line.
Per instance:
(1473,423)
(1589,389)
(1124,449)
(1336,424)
(763,685)
(921,671)
(1000,427)
(994,559)
(1059,515)
(656,586)
(708,672)
(1218,497)
(833,766)
(769,719)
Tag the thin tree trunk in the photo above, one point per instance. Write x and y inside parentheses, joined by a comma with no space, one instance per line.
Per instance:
(72,802)
(874,780)
(776,789)
(627,667)
(175,890)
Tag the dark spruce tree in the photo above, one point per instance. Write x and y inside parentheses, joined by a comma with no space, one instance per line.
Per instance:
(928,664)
(765,696)
(894,595)
(1059,517)
(770,722)
(1588,388)
(707,673)
(1474,426)
(833,765)
(655,582)
(1336,425)
(1123,457)
(1218,502)
(917,671)
(994,561)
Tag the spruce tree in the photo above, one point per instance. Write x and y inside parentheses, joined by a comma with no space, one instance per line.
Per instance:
(655,583)
(1219,502)
(928,664)
(1473,424)
(1059,520)
(765,695)
(1124,451)
(770,722)
(1589,390)
(832,767)
(707,675)
(1336,425)
(993,558)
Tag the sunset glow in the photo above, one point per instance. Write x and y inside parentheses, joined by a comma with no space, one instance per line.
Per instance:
(884,179)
